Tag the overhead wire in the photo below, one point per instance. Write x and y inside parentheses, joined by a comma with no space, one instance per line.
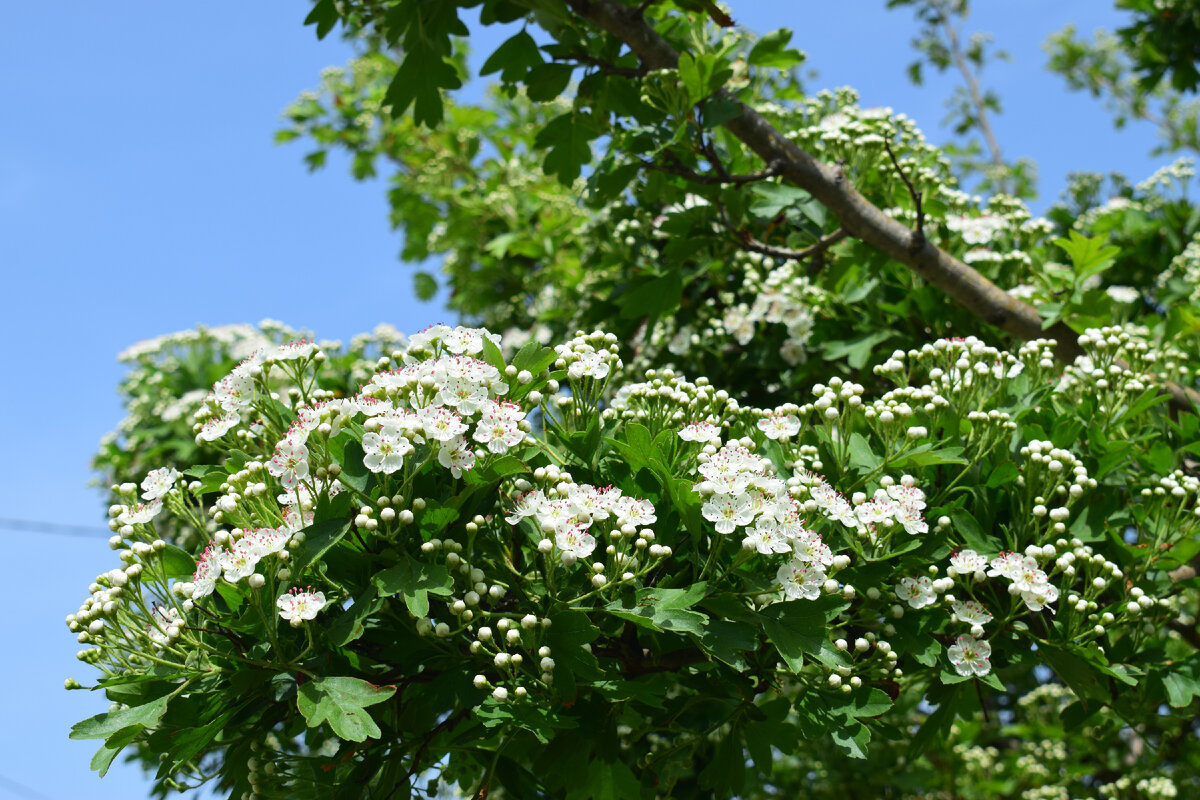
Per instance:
(62,529)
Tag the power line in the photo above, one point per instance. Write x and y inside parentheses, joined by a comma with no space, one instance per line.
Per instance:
(21,790)
(38,526)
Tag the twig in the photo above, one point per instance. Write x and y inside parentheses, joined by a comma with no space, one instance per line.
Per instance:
(748,242)
(446,724)
(918,237)
(725,178)
(606,66)
(973,91)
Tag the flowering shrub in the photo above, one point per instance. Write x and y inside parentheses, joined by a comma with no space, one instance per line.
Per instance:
(517,575)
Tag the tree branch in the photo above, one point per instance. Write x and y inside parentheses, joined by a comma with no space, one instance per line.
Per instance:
(748,242)
(605,66)
(858,215)
(972,89)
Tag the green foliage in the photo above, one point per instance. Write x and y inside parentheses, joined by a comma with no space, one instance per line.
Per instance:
(617,582)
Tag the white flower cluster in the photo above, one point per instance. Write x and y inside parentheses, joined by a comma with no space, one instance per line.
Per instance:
(667,399)
(574,514)
(593,355)
(1057,476)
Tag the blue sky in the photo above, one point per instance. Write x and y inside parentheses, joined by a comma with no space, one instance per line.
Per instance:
(140,193)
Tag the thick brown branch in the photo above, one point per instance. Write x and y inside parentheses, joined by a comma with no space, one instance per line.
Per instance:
(858,215)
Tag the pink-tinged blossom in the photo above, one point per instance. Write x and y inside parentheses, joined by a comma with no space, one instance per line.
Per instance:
(267,541)
(910,517)
(634,511)
(158,482)
(456,456)
(767,538)
(779,426)
(907,495)
(526,505)
(289,464)
(208,569)
(385,452)
(801,579)
(832,504)
(372,406)
(971,612)
(809,547)
(574,541)
(302,348)
(498,426)
(141,513)
(440,423)
(1040,597)
(239,561)
(700,432)
(297,606)
(918,592)
(235,392)
(966,562)
(589,365)
(462,394)
(970,656)
(589,501)
(727,512)
(1006,565)
(217,427)
(295,520)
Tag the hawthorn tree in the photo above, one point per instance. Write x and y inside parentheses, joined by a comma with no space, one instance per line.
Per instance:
(768,462)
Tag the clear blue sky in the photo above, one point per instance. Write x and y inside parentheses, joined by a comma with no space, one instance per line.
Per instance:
(140,193)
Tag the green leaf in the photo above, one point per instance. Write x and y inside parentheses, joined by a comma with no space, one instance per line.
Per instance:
(547,81)
(342,702)
(569,631)
(492,355)
(861,456)
(923,457)
(350,625)
(972,534)
(567,141)
(354,473)
(862,703)
(775,197)
(318,538)
(1181,689)
(852,739)
(663,609)
(514,58)
(797,628)
(1004,473)
(104,725)
(103,758)
(772,51)
(414,581)
(177,563)
(652,297)
(424,285)
(1089,256)
(534,358)
(324,15)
